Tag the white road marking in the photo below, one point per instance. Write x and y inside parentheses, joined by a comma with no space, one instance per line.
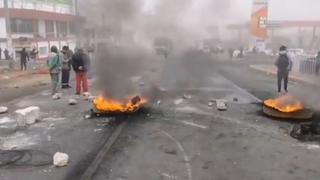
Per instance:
(240,89)
(194,124)
(185,156)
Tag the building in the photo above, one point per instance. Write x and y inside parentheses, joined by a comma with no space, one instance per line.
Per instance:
(37,23)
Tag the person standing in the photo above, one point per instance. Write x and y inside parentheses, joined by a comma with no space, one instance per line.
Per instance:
(81,63)
(284,65)
(33,56)
(318,64)
(6,54)
(0,53)
(54,63)
(23,59)
(66,67)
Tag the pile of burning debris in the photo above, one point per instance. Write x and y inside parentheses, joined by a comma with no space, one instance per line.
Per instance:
(103,106)
(286,107)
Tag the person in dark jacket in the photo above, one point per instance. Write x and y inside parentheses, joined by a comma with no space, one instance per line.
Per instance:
(318,64)
(80,64)
(6,54)
(23,59)
(284,66)
(66,67)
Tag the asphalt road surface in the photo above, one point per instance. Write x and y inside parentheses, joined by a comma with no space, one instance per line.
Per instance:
(188,139)
(177,137)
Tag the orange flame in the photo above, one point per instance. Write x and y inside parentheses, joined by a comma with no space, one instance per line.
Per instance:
(286,104)
(110,105)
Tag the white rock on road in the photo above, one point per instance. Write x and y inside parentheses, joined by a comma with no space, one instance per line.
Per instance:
(72,102)
(27,116)
(221,105)
(60,159)
(3,109)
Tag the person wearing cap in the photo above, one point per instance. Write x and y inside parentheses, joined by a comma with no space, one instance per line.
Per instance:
(284,66)
(80,63)
(54,66)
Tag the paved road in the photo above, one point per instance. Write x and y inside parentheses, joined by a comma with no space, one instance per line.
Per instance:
(193,141)
(179,138)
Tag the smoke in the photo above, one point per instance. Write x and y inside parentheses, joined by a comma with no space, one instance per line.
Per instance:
(125,36)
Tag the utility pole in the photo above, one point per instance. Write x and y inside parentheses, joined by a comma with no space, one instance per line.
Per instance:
(8,25)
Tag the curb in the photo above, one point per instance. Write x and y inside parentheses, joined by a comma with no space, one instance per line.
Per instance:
(291,77)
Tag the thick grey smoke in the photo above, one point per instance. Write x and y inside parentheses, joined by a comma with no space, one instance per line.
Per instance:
(125,36)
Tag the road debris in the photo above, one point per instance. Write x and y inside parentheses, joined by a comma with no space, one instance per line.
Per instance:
(56,96)
(60,159)
(72,102)
(221,105)
(27,116)
(3,109)
(186,96)
(178,101)
(210,104)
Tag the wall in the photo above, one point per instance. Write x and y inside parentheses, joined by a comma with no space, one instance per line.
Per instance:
(3,32)
(42,28)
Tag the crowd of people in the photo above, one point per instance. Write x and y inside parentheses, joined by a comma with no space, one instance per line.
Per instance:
(61,63)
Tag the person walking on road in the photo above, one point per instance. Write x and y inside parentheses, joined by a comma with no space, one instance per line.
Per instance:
(66,67)
(284,66)
(318,64)
(54,63)
(80,62)
(23,59)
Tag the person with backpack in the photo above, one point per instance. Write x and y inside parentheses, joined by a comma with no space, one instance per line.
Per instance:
(54,65)
(284,66)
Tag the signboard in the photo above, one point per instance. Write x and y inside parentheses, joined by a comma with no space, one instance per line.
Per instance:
(259,19)
(53,1)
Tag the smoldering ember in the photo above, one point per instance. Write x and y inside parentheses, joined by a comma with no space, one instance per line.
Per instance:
(159,89)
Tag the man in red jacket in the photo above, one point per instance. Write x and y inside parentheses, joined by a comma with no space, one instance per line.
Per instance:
(80,62)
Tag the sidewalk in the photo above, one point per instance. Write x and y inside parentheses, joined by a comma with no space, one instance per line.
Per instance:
(294,76)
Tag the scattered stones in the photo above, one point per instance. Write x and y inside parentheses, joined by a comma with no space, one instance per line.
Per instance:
(5,120)
(91,98)
(5,77)
(60,159)
(16,86)
(97,130)
(56,96)
(3,109)
(210,104)
(186,96)
(178,101)
(235,99)
(221,105)
(72,102)
(27,116)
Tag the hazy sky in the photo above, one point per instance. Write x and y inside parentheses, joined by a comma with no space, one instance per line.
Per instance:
(278,9)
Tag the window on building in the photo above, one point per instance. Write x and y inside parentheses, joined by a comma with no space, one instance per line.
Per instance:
(72,27)
(49,28)
(62,29)
(22,26)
